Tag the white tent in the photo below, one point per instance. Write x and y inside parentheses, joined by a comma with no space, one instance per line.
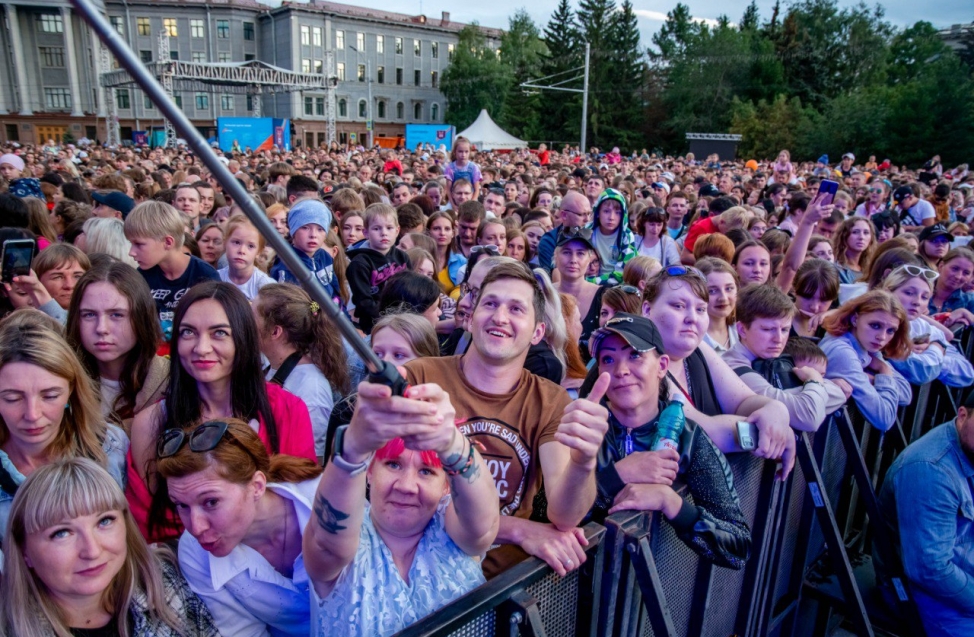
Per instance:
(486,135)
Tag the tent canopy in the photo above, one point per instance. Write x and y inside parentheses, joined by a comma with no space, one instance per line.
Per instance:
(486,135)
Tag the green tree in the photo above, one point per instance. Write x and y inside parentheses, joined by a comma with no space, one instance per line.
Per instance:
(912,49)
(475,79)
(625,80)
(562,111)
(750,19)
(767,127)
(596,20)
(522,51)
(677,33)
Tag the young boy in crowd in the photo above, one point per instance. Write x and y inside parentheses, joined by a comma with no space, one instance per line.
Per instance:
(308,223)
(613,239)
(156,231)
(764,316)
(371,265)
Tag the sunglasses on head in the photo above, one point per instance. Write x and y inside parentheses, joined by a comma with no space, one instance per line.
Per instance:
(490,249)
(917,270)
(204,438)
(683,270)
(578,232)
(629,289)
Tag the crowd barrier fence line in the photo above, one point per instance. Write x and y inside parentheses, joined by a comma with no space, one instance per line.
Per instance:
(810,565)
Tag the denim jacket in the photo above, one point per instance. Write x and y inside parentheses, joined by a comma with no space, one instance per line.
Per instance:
(115,446)
(928,506)
(958,299)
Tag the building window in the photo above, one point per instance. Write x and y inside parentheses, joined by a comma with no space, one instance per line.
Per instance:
(400,110)
(316,36)
(57,98)
(339,40)
(319,67)
(122,98)
(380,44)
(174,55)
(340,71)
(319,106)
(417,48)
(223,29)
(197,29)
(380,75)
(360,42)
(223,57)
(361,72)
(169,24)
(249,57)
(305,66)
(118,23)
(449,51)
(417,111)
(142,26)
(434,78)
(52,56)
(145,56)
(399,77)
(199,57)
(434,112)
(250,102)
(147,102)
(202,101)
(249,31)
(342,108)
(305,35)
(51,23)
(179,101)
(361,108)
(382,110)
(398,46)
(435,49)
(226,102)
(309,105)
(416,77)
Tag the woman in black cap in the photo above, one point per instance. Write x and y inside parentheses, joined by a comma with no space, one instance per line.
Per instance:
(934,244)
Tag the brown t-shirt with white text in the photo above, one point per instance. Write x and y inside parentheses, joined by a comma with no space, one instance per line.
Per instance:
(511,427)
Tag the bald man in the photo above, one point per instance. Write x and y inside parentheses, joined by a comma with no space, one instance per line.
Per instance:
(575,211)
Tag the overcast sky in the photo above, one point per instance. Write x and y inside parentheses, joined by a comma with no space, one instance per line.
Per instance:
(494,13)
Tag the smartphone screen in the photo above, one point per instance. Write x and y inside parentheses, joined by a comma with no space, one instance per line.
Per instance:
(17,255)
(828,188)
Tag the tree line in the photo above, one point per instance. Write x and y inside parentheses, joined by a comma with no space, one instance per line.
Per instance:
(814,77)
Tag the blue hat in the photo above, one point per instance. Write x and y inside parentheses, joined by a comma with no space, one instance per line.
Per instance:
(308,211)
(824,159)
(26,187)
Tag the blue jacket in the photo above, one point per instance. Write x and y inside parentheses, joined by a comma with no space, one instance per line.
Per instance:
(321,265)
(928,506)
(879,401)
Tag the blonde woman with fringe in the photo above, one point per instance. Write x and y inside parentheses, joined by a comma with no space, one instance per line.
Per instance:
(75,560)
(49,408)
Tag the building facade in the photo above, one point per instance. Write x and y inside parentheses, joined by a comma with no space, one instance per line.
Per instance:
(49,81)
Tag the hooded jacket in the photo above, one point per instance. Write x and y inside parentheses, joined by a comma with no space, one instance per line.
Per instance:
(713,525)
(367,273)
(624,245)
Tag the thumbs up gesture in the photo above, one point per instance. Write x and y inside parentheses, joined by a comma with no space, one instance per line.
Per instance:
(583,425)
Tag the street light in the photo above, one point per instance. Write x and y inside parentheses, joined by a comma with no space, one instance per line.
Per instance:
(368,79)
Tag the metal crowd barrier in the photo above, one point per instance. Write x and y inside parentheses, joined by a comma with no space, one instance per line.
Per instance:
(810,567)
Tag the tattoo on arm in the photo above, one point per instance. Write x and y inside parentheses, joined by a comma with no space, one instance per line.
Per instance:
(329,518)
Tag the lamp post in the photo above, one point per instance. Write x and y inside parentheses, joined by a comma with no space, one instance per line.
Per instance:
(369,124)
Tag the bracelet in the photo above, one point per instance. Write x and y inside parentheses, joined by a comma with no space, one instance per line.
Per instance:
(467,463)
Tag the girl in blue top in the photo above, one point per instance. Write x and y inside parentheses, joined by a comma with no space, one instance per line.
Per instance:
(860,332)
(462,168)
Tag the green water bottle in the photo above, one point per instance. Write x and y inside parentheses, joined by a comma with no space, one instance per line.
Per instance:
(670,427)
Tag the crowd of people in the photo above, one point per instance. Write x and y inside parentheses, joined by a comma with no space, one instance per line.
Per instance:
(188,447)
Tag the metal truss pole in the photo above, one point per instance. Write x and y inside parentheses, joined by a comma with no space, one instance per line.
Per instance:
(113,135)
(166,76)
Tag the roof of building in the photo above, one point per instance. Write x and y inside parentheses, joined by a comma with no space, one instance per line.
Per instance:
(352,11)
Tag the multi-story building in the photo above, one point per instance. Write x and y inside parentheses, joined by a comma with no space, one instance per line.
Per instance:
(49,78)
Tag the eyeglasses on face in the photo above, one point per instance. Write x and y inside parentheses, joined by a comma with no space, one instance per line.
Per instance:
(466,288)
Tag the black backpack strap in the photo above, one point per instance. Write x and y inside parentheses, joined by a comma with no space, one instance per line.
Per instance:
(286,368)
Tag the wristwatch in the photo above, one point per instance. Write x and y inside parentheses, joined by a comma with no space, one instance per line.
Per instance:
(340,462)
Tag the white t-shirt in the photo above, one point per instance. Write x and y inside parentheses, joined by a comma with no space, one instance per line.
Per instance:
(920,211)
(256,281)
(310,385)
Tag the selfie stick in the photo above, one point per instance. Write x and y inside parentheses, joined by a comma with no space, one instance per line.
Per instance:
(380,371)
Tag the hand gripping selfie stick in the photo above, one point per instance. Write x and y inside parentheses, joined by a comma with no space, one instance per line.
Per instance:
(379,371)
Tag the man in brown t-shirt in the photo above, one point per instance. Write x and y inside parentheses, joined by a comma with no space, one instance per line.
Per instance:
(527,425)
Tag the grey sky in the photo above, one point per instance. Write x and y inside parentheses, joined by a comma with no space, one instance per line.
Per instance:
(494,13)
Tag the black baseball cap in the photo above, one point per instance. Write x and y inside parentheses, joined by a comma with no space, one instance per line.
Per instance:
(902,193)
(638,331)
(576,233)
(935,230)
(115,200)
